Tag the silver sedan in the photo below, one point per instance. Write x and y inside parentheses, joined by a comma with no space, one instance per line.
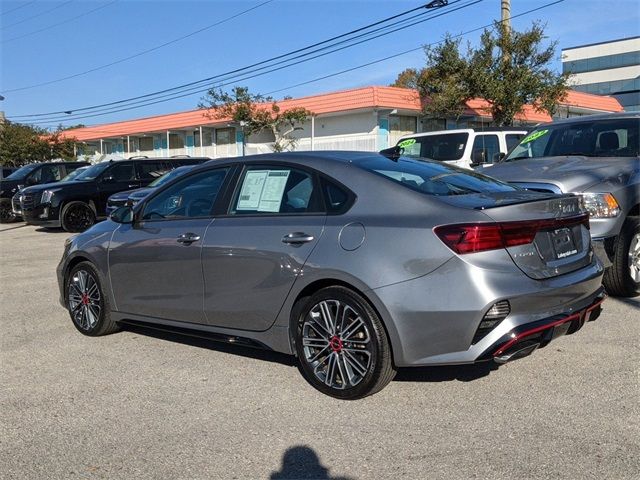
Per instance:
(356,263)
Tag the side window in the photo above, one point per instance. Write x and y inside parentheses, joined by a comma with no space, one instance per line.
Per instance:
(513,139)
(47,174)
(192,197)
(336,197)
(149,170)
(265,190)
(484,148)
(121,172)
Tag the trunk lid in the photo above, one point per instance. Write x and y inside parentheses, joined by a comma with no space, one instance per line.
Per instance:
(557,223)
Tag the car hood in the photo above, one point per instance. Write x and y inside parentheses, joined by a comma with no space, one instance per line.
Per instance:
(67,186)
(569,173)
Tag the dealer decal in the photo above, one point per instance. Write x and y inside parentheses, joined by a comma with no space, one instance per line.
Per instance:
(407,143)
(534,136)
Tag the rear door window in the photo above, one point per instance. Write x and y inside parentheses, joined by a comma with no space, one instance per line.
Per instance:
(273,190)
(149,170)
(444,147)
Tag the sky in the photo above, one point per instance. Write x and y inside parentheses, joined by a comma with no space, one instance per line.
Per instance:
(43,41)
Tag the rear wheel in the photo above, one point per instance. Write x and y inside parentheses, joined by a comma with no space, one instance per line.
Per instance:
(87,304)
(77,217)
(6,212)
(622,279)
(341,344)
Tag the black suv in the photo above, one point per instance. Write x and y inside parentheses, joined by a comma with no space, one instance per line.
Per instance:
(32,174)
(78,204)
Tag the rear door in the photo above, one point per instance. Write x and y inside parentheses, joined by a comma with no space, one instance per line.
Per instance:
(155,264)
(252,256)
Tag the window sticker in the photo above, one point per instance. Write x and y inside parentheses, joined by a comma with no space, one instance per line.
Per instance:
(534,136)
(262,190)
(273,191)
(407,143)
(252,189)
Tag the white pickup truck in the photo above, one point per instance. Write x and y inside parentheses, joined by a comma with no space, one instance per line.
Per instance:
(465,147)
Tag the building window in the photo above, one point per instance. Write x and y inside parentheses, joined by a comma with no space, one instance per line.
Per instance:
(433,124)
(225,136)
(403,124)
(176,140)
(145,144)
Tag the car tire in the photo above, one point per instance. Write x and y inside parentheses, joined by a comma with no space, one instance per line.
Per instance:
(87,303)
(6,212)
(622,279)
(342,346)
(77,217)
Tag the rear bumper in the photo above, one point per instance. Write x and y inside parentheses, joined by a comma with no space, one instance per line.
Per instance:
(524,339)
(434,319)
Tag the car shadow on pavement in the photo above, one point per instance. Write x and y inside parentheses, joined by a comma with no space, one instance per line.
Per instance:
(194,341)
(302,462)
(50,230)
(462,373)
(633,302)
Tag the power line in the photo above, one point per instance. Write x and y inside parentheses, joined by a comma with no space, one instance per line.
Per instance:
(39,14)
(60,23)
(405,52)
(18,7)
(374,61)
(139,54)
(227,81)
(226,74)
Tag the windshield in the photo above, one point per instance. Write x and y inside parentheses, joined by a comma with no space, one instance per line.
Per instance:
(599,138)
(22,172)
(434,178)
(170,176)
(93,171)
(444,147)
(74,174)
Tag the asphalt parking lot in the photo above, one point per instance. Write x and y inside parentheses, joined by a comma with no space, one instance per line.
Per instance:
(144,405)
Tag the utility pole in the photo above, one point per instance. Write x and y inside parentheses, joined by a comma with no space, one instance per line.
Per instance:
(505,17)
(505,28)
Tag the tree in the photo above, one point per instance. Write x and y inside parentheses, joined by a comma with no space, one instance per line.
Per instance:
(21,144)
(256,113)
(508,69)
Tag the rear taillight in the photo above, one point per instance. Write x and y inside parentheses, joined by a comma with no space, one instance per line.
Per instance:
(479,237)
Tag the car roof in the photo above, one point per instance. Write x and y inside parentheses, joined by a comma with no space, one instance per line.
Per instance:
(594,117)
(468,130)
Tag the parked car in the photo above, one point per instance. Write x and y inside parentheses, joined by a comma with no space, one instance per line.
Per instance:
(356,263)
(16,201)
(6,171)
(32,174)
(77,205)
(464,148)
(598,157)
(131,197)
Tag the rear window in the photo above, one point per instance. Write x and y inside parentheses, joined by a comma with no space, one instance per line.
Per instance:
(443,147)
(433,178)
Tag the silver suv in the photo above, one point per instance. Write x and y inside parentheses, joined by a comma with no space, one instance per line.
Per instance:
(596,156)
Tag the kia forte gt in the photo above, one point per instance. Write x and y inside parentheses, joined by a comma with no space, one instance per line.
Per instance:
(355,263)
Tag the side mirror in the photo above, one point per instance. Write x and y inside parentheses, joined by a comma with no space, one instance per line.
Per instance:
(478,157)
(498,157)
(122,215)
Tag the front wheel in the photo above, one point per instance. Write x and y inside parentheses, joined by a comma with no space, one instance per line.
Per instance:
(87,304)
(77,217)
(342,347)
(622,279)
(6,212)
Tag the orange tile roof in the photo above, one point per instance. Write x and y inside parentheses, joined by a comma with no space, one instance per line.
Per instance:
(333,102)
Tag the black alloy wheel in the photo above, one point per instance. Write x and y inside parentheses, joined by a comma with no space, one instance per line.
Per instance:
(77,217)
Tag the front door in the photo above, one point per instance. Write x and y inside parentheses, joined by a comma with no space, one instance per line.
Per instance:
(252,256)
(119,177)
(155,264)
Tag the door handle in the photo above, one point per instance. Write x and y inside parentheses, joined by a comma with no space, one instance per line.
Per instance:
(132,186)
(297,237)
(188,238)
